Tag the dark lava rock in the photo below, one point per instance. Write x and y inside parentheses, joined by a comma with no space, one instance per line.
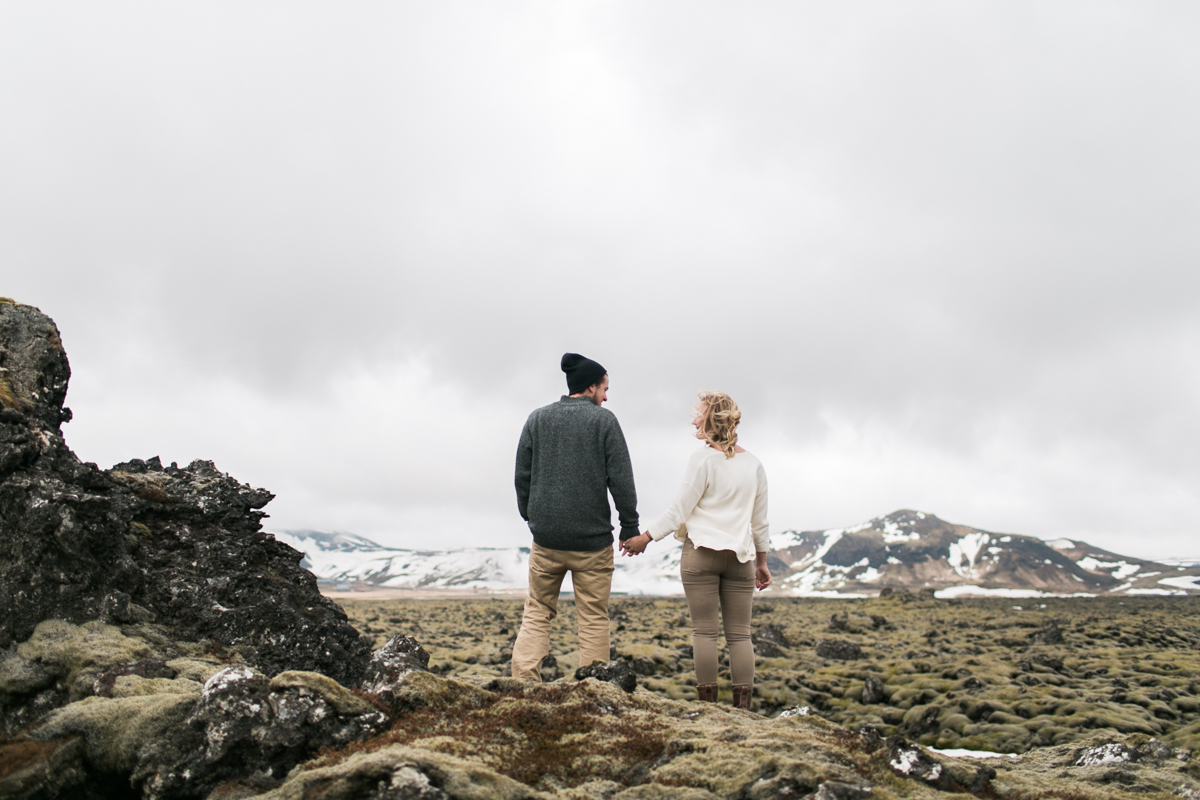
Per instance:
(912,761)
(239,726)
(390,664)
(616,672)
(244,725)
(839,650)
(925,722)
(769,641)
(142,542)
(869,738)
(873,691)
(839,623)
(1040,663)
(1049,634)
(642,665)
(550,669)
(400,656)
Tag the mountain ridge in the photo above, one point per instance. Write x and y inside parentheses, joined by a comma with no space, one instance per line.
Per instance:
(905,550)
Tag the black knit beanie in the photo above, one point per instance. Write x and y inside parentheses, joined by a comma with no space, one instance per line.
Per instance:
(581,372)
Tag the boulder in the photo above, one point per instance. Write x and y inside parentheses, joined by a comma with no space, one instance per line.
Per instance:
(239,725)
(1048,634)
(873,691)
(141,543)
(839,650)
(618,672)
(769,641)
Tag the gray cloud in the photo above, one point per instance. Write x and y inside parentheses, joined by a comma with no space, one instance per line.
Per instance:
(942,254)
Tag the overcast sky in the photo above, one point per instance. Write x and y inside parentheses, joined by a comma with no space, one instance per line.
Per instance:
(946,256)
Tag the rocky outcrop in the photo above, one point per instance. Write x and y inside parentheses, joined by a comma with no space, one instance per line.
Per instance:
(135,709)
(142,543)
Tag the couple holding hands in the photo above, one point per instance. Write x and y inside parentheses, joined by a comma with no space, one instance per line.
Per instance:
(571,456)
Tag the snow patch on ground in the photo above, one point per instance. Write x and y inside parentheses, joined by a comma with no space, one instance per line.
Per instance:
(1178,561)
(979,591)
(1182,582)
(958,752)
(1061,544)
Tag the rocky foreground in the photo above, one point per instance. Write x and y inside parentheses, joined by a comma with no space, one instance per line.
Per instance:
(979,674)
(154,643)
(182,722)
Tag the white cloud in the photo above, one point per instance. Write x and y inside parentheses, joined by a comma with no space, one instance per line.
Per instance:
(943,256)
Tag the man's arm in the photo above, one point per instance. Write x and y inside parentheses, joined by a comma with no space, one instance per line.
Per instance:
(620,479)
(524,476)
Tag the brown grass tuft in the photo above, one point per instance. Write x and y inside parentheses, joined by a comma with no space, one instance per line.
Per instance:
(18,754)
(559,732)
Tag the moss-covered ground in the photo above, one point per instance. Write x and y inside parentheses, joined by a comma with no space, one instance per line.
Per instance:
(991,674)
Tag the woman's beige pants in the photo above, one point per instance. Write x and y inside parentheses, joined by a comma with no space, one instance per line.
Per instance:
(714,580)
(591,575)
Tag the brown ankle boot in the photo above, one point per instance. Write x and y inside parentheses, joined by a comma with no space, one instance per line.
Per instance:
(707,692)
(741,695)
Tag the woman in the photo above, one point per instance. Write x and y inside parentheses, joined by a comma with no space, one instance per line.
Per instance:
(721,517)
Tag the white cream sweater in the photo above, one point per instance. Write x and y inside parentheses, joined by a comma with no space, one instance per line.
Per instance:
(722,505)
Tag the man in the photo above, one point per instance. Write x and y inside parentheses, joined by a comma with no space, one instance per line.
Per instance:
(572,454)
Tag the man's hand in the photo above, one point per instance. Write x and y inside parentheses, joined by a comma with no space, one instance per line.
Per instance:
(635,545)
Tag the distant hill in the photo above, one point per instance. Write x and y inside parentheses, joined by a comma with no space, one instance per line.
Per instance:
(914,550)
(909,550)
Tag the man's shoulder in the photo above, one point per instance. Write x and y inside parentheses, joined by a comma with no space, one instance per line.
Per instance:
(574,407)
(540,410)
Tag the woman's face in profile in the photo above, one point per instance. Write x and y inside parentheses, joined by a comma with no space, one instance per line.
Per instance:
(698,420)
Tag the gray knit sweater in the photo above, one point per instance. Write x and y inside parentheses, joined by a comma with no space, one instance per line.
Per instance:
(571,455)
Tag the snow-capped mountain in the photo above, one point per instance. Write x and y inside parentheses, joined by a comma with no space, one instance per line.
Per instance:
(347,558)
(915,550)
(904,550)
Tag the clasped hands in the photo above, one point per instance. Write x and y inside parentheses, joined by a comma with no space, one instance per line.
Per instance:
(635,545)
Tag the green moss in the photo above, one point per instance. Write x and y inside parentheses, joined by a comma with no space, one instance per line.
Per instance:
(116,729)
(192,669)
(917,670)
(342,699)
(20,675)
(8,398)
(80,651)
(135,686)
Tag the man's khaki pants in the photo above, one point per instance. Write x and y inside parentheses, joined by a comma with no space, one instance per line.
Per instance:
(591,573)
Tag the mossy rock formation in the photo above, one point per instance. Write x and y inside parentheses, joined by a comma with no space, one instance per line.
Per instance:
(141,543)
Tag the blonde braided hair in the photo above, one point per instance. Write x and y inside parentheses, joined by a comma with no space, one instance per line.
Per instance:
(721,418)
